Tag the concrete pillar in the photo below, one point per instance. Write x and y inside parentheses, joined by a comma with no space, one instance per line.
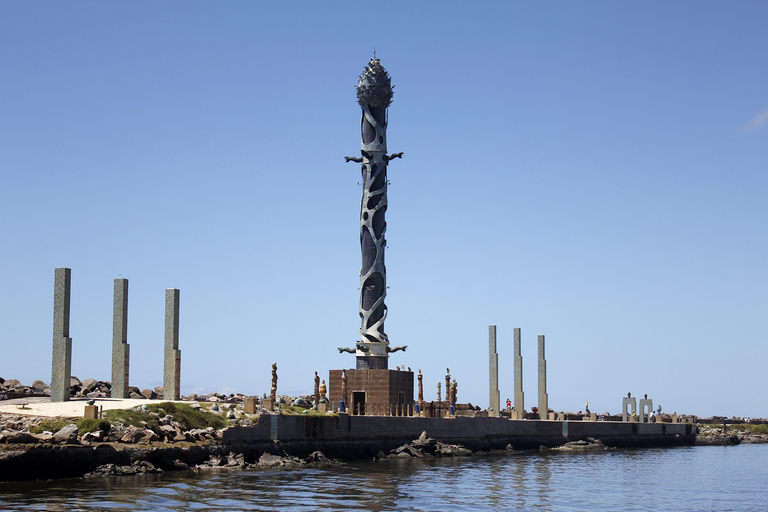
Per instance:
(61,370)
(172,360)
(543,398)
(519,402)
(120,348)
(494,398)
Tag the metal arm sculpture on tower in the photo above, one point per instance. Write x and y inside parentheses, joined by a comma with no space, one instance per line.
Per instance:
(374,95)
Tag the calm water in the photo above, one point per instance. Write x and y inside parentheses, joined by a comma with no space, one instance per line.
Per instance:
(673,479)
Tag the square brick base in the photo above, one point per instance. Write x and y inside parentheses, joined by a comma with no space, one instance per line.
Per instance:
(375,391)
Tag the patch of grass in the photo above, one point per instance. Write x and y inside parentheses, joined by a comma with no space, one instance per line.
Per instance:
(757,429)
(189,417)
(742,427)
(133,418)
(50,425)
(85,425)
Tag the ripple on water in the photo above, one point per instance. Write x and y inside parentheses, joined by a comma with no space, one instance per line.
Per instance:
(679,479)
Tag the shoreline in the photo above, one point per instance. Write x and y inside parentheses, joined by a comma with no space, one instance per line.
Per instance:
(296,440)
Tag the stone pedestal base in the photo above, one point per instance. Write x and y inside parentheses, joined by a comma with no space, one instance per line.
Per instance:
(374,391)
(91,412)
(249,405)
(267,404)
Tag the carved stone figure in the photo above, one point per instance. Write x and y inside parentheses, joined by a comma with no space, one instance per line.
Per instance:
(273,392)
(317,389)
(421,390)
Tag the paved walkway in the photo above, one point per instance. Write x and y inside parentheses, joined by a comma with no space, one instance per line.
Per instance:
(74,408)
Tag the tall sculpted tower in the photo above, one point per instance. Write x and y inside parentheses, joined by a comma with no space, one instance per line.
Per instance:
(373,382)
(374,95)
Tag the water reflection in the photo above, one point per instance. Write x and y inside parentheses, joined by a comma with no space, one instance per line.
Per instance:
(700,478)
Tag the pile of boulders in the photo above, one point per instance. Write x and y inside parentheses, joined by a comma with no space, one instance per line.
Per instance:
(90,388)
(13,388)
(426,447)
(581,445)
(266,460)
(16,429)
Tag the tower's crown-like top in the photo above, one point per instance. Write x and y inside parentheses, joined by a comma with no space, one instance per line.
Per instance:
(374,87)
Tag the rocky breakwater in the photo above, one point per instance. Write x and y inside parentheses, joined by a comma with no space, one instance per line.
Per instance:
(426,448)
(150,438)
(730,435)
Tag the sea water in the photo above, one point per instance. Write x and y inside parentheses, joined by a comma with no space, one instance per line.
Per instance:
(703,478)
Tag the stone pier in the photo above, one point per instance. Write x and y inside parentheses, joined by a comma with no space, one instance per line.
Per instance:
(519,402)
(172,366)
(494,399)
(62,344)
(543,398)
(120,347)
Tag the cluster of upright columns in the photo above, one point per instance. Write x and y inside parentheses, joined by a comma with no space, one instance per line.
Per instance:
(120,347)
(493,376)
(493,372)
(172,364)
(62,343)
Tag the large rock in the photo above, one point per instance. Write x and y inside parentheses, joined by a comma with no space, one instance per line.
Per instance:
(67,435)
(17,437)
(149,394)
(12,384)
(40,385)
(74,381)
(133,435)
(89,385)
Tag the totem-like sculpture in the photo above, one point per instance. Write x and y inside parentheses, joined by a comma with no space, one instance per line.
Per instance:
(374,94)
(273,391)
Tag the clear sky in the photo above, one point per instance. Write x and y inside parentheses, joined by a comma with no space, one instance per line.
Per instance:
(592,171)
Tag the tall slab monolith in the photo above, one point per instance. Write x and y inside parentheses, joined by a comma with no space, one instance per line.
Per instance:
(172,359)
(120,347)
(61,371)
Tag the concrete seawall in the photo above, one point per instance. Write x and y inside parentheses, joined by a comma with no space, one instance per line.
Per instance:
(340,437)
(381,432)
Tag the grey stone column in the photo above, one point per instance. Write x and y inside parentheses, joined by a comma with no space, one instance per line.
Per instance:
(62,344)
(543,398)
(494,400)
(172,365)
(120,347)
(519,402)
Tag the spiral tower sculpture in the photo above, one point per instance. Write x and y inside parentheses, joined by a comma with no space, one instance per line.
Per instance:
(374,94)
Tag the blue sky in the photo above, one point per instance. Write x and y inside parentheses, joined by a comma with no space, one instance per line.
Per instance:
(592,171)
